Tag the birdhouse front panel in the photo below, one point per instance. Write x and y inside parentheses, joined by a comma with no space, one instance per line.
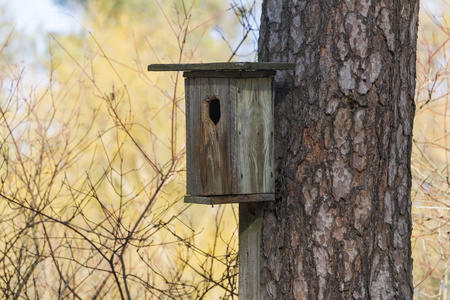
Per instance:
(229,122)
(209,121)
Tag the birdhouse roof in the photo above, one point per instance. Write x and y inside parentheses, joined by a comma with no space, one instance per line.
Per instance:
(224,66)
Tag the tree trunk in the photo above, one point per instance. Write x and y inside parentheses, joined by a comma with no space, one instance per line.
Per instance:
(341,225)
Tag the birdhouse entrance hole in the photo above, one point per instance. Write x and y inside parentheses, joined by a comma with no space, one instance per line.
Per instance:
(214,110)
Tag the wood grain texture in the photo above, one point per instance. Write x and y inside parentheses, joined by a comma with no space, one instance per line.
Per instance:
(234,156)
(189,120)
(253,169)
(250,223)
(249,66)
(208,164)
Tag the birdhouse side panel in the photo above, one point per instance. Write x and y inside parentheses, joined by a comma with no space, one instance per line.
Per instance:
(208,120)
(254,167)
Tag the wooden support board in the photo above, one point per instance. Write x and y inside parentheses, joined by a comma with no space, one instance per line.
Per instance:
(250,225)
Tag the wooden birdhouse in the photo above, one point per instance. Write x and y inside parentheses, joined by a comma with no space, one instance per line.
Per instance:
(229,131)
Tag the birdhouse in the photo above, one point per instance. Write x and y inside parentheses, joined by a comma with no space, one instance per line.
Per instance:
(229,130)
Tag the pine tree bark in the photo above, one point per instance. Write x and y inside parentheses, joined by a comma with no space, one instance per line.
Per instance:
(341,225)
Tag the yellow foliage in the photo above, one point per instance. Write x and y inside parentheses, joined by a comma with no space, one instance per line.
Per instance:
(93,166)
(430,158)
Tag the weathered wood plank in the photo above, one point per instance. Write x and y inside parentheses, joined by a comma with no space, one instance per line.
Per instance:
(209,165)
(250,226)
(253,171)
(213,200)
(189,163)
(249,66)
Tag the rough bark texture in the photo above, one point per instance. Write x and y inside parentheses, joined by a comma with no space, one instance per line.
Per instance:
(341,225)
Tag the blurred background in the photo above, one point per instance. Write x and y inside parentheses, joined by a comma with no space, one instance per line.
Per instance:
(92,150)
